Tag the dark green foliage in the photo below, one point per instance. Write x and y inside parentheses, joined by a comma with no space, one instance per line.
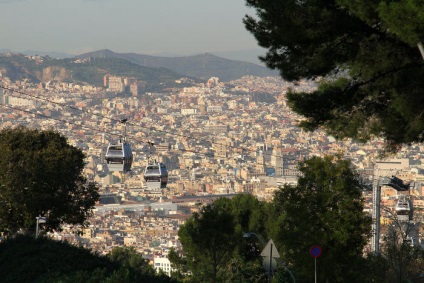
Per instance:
(367,53)
(209,240)
(24,259)
(128,257)
(249,213)
(240,270)
(41,175)
(325,209)
(214,249)
(178,263)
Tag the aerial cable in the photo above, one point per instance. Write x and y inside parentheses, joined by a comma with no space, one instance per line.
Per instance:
(91,128)
(93,113)
(148,142)
(57,119)
(119,120)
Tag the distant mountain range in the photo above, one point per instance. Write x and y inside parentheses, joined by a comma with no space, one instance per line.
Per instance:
(157,71)
(19,67)
(248,55)
(202,66)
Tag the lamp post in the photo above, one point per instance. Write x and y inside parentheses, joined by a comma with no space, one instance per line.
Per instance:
(40,220)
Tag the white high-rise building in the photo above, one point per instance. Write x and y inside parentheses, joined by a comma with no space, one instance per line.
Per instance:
(163,263)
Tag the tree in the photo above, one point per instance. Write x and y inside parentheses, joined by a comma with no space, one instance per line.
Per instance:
(401,248)
(326,209)
(129,257)
(134,266)
(26,259)
(403,257)
(214,246)
(365,55)
(214,249)
(178,264)
(240,270)
(249,214)
(41,175)
(208,240)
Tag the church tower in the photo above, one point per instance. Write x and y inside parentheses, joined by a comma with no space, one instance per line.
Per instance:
(260,163)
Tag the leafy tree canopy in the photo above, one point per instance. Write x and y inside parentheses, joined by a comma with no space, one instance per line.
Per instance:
(326,209)
(214,249)
(41,175)
(209,240)
(129,257)
(365,54)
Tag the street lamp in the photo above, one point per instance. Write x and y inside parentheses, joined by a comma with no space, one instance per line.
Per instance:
(40,220)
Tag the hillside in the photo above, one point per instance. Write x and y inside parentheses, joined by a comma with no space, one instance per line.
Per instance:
(25,259)
(158,72)
(18,67)
(202,66)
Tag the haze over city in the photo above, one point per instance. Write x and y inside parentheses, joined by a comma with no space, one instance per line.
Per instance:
(156,27)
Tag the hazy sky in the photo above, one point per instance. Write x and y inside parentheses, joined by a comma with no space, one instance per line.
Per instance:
(141,26)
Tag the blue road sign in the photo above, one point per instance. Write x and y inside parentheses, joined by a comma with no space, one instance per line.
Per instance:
(315,251)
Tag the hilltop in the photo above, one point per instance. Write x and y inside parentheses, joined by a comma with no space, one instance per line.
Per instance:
(90,71)
(201,66)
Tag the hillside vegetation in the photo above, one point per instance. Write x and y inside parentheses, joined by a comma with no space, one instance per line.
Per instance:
(25,259)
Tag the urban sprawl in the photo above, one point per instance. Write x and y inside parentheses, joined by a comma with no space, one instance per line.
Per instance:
(217,139)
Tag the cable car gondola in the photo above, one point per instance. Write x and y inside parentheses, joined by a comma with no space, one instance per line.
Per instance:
(404,209)
(156,174)
(119,156)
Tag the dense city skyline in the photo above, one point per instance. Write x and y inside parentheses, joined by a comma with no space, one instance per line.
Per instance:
(144,27)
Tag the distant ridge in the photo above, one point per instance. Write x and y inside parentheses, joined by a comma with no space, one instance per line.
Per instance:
(249,55)
(202,66)
(52,54)
(19,67)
